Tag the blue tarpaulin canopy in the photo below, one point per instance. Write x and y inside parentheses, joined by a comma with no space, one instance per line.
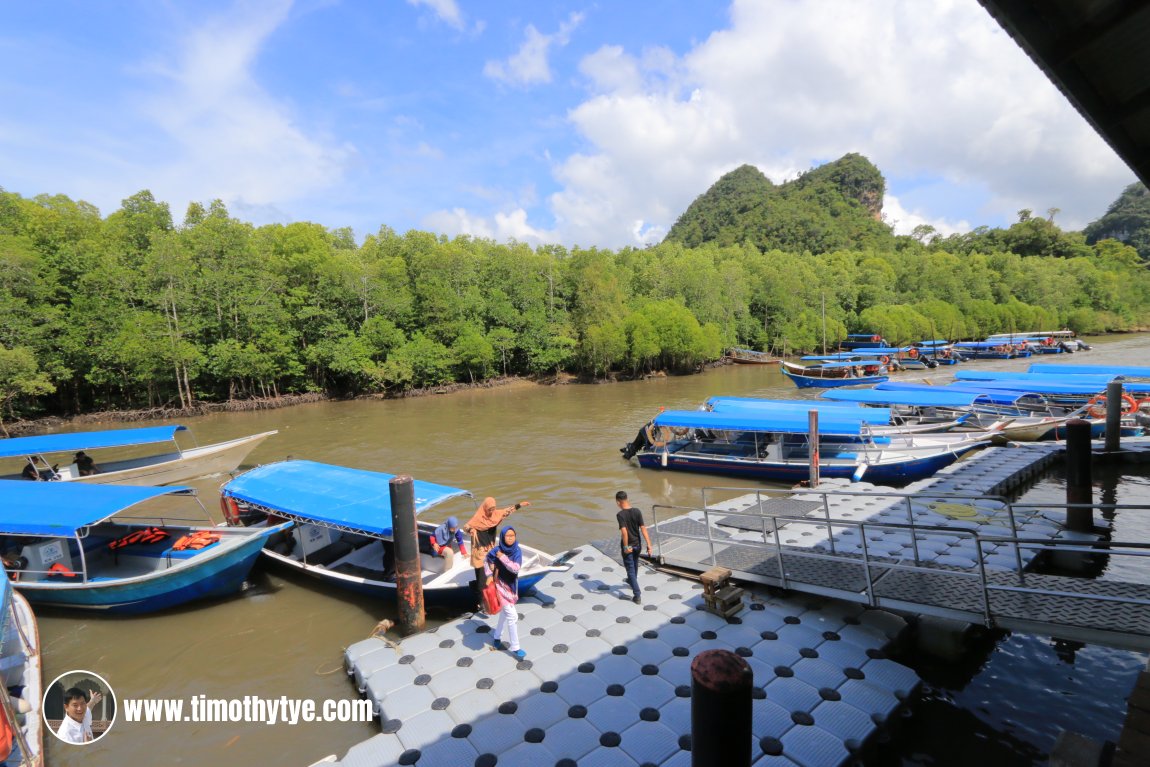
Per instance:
(1056,386)
(832,421)
(86,440)
(755,405)
(1010,375)
(937,396)
(1129,371)
(62,508)
(825,365)
(857,354)
(981,345)
(986,394)
(332,495)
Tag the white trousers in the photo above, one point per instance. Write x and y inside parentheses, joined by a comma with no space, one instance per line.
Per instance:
(509,619)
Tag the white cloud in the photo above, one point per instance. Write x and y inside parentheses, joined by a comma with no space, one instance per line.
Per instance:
(904,221)
(529,65)
(446,10)
(922,89)
(503,226)
(232,139)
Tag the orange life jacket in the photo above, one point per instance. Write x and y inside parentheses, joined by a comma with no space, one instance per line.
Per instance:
(143,535)
(61,570)
(198,540)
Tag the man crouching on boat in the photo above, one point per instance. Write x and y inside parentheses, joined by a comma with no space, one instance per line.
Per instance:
(446,540)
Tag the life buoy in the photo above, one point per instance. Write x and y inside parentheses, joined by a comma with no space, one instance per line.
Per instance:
(653,435)
(231,510)
(913,352)
(884,359)
(1144,403)
(1096,407)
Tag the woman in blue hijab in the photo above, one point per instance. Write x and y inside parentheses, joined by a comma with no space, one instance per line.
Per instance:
(502,564)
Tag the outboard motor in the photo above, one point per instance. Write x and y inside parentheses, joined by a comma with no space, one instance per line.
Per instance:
(1065,347)
(637,444)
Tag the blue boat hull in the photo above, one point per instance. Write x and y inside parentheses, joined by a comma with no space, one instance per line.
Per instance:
(810,382)
(211,577)
(899,473)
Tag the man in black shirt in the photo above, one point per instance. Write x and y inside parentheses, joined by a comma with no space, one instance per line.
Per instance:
(631,525)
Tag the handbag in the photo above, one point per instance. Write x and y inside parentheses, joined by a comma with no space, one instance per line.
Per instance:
(492,602)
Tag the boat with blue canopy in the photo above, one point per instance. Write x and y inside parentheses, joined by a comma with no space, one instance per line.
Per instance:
(855,340)
(340,528)
(120,549)
(882,420)
(986,350)
(1028,410)
(122,456)
(834,374)
(776,446)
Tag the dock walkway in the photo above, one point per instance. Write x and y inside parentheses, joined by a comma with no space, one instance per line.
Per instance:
(608,682)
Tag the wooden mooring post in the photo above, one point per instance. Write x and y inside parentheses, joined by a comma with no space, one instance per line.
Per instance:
(408,575)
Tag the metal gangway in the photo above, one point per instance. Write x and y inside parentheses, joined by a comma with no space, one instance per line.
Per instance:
(1091,610)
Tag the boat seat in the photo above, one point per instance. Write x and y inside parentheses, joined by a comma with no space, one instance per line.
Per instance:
(359,571)
(335,550)
(171,553)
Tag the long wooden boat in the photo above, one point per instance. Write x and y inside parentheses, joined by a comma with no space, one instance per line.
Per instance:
(81,548)
(1023,411)
(750,357)
(777,447)
(52,455)
(21,662)
(341,528)
(834,374)
(986,350)
(862,340)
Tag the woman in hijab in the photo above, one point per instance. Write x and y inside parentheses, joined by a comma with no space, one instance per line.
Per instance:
(502,563)
(482,527)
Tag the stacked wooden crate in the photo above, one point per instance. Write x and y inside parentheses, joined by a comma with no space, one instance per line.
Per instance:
(722,597)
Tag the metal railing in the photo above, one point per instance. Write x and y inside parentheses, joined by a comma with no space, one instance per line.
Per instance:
(874,568)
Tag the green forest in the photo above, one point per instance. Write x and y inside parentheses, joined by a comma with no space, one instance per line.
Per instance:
(140,310)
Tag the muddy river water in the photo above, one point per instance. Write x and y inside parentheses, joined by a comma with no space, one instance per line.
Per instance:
(557,446)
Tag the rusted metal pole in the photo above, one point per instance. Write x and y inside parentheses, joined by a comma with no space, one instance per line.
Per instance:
(721,683)
(1078,481)
(813,437)
(1113,416)
(408,575)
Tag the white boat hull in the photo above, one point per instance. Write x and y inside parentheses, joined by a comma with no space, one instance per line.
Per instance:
(168,468)
(21,666)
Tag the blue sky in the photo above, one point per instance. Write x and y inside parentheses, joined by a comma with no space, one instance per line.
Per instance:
(583,123)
